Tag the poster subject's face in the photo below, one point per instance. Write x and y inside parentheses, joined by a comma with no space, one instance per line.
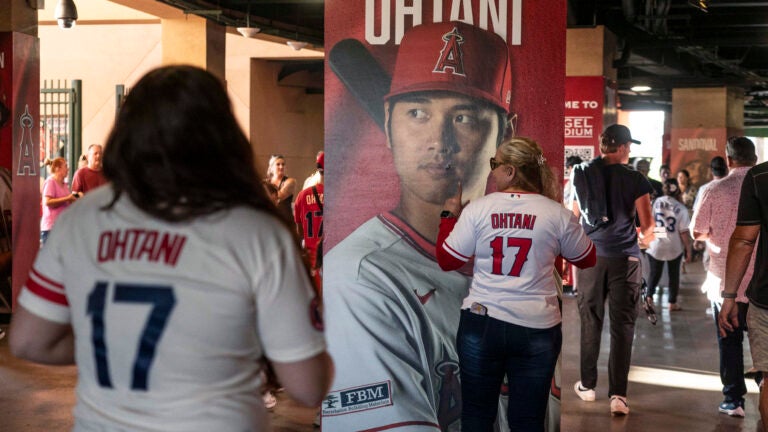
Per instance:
(438,139)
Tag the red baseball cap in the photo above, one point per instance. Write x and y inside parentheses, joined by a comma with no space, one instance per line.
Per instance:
(457,57)
(320,160)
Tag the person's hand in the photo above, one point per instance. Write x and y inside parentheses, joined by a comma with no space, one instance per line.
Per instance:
(453,204)
(728,319)
(688,254)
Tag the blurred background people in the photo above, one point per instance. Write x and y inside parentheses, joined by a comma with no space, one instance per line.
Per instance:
(285,185)
(510,320)
(56,195)
(90,176)
(687,190)
(672,243)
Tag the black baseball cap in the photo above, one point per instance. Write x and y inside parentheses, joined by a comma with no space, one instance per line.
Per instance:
(619,134)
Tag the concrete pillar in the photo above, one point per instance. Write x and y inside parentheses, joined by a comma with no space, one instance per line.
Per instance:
(702,119)
(195,41)
(20,136)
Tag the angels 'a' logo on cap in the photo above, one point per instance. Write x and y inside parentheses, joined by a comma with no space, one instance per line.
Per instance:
(451,56)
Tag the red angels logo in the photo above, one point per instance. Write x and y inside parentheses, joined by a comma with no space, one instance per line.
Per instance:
(451,56)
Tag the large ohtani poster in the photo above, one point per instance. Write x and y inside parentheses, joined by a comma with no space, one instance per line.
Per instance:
(418,95)
(360,169)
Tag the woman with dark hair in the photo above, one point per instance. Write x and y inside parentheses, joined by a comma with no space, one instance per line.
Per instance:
(672,242)
(510,321)
(171,286)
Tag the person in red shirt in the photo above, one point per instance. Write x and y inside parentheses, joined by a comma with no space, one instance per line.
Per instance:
(308,214)
(90,176)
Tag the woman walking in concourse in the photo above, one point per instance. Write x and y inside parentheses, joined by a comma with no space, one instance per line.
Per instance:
(510,321)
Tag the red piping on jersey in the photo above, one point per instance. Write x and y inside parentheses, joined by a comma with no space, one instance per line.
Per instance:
(445,259)
(587,259)
(402,424)
(413,238)
(44,291)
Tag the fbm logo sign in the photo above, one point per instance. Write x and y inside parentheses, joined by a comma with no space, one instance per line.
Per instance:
(358,398)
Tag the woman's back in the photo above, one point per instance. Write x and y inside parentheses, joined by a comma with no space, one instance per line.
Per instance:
(515,238)
(171,319)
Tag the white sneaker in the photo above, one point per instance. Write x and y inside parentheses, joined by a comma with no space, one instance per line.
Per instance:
(586,394)
(619,405)
(270,401)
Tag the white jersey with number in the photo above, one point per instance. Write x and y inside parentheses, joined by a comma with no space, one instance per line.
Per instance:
(391,317)
(515,238)
(671,215)
(171,319)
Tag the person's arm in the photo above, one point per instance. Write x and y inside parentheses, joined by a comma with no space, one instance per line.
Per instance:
(643,205)
(287,189)
(686,238)
(306,381)
(445,259)
(39,340)
(56,202)
(575,209)
(740,248)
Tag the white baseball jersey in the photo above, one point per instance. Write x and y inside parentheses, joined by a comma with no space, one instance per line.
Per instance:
(673,216)
(515,238)
(391,317)
(170,319)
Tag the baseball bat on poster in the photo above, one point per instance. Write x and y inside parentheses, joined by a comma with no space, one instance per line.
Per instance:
(362,76)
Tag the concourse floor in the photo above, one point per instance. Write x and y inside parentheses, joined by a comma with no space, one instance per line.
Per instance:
(36,398)
(674,384)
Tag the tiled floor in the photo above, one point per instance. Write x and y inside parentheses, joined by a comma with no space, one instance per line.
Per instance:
(674,382)
(674,385)
(37,398)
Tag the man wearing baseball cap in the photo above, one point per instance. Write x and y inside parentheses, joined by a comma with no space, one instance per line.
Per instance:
(391,313)
(609,196)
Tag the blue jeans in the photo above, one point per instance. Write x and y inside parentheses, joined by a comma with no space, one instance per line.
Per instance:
(732,356)
(488,349)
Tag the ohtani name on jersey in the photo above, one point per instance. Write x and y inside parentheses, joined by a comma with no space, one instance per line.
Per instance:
(512,220)
(139,244)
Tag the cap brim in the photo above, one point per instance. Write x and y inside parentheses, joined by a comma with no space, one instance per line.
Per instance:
(634,141)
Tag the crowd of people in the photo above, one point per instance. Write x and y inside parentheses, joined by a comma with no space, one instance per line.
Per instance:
(443,312)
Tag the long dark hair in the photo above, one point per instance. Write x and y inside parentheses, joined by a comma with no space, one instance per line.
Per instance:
(177,151)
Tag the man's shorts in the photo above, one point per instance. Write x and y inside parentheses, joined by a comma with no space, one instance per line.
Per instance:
(757,323)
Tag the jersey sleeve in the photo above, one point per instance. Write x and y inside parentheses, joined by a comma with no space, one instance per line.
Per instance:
(381,382)
(43,293)
(575,245)
(462,240)
(287,317)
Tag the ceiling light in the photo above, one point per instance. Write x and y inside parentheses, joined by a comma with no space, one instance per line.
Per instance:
(640,88)
(66,13)
(297,45)
(248,32)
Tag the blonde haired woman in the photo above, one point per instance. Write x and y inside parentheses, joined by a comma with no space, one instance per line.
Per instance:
(510,321)
(285,185)
(56,195)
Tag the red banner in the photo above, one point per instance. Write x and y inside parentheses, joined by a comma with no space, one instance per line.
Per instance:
(583,115)
(693,149)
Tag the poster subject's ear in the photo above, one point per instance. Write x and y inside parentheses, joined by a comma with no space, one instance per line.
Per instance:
(510,127)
